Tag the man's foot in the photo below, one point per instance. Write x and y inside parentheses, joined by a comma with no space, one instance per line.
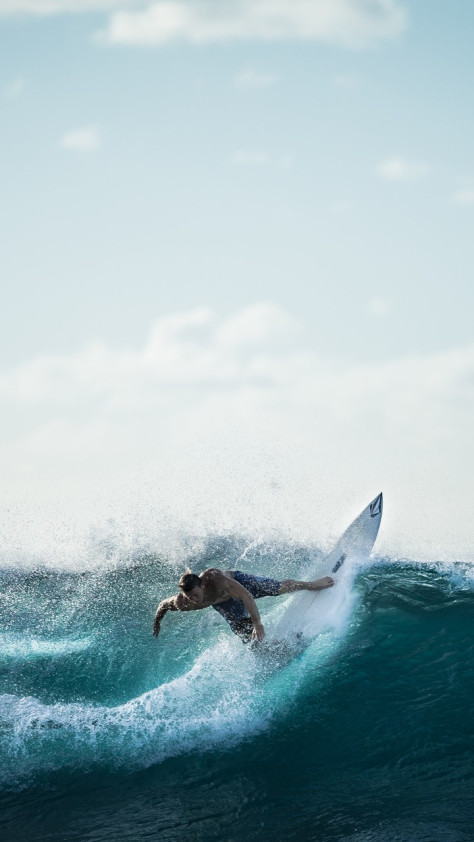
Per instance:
(320,584)
(291,585)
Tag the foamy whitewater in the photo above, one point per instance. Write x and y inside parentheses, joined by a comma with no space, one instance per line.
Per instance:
(107,733)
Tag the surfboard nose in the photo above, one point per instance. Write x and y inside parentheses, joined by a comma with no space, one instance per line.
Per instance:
(376,506)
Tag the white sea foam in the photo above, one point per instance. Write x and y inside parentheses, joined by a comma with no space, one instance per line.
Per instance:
(227,696)
(215,703)
(18,646)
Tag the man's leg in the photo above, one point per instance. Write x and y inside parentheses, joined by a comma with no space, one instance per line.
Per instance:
(260,586)
(290,585)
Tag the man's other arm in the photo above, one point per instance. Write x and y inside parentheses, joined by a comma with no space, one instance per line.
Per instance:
(164,606)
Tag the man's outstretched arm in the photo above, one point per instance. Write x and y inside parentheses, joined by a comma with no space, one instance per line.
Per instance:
(166,605)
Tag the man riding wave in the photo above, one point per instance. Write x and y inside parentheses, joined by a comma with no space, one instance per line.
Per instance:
(232,593)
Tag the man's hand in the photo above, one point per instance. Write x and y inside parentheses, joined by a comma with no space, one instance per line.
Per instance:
(156,627)
(258,632)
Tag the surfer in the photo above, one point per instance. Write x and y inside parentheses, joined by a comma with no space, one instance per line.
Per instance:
(233,594)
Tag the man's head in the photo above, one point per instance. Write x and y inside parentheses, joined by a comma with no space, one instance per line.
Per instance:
(191,586)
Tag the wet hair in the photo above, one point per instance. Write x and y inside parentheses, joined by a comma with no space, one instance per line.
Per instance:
(188,581)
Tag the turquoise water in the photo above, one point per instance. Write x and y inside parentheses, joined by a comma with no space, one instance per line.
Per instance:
(107,733)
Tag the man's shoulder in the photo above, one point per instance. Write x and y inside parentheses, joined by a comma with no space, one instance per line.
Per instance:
(211,574)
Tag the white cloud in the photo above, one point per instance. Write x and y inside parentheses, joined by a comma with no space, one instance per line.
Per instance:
(254,80)
(42,8)
(183,349)
(260,326)
(249,159)
(463,197)
(380,306)
(15,88)
(399,169)
(81,140)
(353,23)
(214,409)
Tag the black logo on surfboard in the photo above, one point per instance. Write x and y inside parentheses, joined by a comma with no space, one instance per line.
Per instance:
(376,506)
(339,563)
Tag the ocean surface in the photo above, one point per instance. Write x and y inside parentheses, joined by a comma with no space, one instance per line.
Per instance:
(109,734)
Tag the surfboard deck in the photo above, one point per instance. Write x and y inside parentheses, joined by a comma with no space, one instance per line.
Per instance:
(355,543)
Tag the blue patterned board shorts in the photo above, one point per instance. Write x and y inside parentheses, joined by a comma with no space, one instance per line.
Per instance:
(234,610)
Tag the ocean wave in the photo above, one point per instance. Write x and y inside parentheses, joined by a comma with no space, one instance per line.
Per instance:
(85,684)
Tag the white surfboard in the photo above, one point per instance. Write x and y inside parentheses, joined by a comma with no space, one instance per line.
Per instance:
(355,544)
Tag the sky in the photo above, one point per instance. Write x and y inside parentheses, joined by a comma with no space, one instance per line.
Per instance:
(236,263)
